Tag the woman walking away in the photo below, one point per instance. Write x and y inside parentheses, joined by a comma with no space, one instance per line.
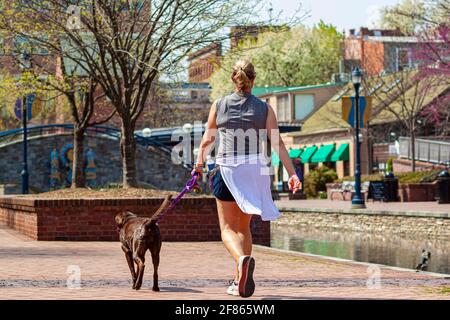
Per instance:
(247,130)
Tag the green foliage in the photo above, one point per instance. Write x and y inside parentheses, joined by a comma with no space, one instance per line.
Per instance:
(412,15)
(402,15)
(418,176)
(389,165)
(404,177)
(316,180)
(299,56)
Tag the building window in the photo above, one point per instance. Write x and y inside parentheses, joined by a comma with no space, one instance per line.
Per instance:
(283,108)
(403,58)
(304,105)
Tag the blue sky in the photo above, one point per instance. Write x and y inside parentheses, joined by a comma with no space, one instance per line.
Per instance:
(344,14)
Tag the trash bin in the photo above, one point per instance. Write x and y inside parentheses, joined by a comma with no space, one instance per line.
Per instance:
(390,187)
(444,187)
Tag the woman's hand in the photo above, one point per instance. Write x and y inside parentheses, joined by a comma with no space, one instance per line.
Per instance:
(198,168)
(294,183)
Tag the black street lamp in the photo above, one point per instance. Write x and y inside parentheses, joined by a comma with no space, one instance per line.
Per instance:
(358,200)
(24,64)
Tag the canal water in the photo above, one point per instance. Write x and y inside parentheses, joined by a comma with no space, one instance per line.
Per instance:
(373,248)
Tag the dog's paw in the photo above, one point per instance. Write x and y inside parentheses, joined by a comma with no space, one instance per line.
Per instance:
(156,289)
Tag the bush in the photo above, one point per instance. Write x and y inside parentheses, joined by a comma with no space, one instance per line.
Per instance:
(418,176)
(390,165)
(406,177)
(372,177)
(316,180)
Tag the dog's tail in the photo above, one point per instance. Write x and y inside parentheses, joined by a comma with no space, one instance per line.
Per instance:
(158,212)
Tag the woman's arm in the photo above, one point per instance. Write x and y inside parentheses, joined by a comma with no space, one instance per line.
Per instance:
(277,143)
(208,139)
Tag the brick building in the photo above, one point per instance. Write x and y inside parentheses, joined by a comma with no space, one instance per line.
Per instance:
(240,33)
(326,139)
(378,51)
(203,62)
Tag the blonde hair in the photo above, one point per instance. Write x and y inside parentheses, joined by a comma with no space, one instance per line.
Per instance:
(243,74)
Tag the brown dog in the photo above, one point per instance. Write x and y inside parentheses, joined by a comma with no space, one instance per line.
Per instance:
(137,236)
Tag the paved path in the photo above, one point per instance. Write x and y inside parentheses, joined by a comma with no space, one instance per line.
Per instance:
(38,270)
(429,206)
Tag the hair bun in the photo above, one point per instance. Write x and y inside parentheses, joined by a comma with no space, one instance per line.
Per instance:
(243,73)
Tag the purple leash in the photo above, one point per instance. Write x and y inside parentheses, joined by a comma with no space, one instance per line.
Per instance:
(190,185)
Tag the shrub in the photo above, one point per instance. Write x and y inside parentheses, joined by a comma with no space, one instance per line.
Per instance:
(389,165)
(405,177)
(316,180)
(418,176)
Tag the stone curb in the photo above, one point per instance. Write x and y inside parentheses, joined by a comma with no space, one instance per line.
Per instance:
(421,214)
(361,263)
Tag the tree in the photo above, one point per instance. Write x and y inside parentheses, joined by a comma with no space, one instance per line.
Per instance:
(404,94)
(405,16)
(47,71)
(410,16)
(434,53)
(295,57)
(125,45)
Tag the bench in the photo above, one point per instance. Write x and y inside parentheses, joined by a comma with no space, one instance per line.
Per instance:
(348,187)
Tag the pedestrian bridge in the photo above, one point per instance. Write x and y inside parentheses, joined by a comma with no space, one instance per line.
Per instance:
(49,158)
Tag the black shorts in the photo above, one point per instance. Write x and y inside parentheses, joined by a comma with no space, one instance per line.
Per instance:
(219,188)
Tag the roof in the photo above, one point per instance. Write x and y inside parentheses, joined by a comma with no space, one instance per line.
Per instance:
(386,115)
(393,39)
(329,116)
(263,91)
(260,91)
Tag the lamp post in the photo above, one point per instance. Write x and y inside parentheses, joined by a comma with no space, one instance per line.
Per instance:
(146,133)
(24,65)
(358,200)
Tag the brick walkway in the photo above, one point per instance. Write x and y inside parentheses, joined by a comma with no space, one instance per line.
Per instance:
(38,270)
(429,206)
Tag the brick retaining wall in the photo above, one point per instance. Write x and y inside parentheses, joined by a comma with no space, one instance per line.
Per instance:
(193,219)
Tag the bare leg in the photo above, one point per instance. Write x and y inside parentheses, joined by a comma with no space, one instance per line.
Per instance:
(235,230)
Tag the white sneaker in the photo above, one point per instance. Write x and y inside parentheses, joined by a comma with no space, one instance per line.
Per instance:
(233,289)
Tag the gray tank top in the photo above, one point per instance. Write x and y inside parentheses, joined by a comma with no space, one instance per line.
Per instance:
(241,122)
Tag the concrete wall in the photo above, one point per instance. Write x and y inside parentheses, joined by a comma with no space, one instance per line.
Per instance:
(153,167)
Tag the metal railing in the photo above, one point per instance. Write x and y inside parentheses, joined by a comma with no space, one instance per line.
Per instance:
(426,150)
(106,131)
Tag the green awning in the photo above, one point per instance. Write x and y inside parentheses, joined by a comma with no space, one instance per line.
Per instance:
(324,154)
(342,153)
(307,154)
(275,159)
(295,153)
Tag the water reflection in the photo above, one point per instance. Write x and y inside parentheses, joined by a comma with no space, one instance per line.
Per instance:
(374,248)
